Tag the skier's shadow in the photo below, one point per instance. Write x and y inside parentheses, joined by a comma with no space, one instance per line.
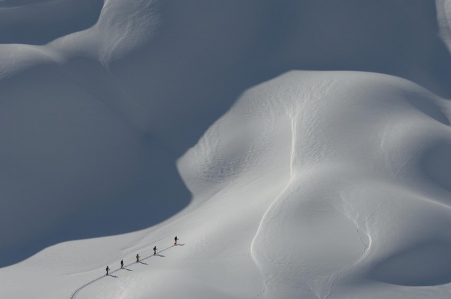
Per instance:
(143,263)
(112,275)
(160,255)
(126,269)
(180,245)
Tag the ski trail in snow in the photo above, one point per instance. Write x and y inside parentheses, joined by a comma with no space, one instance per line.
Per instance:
(259,294)
(365,246)
(408,161)
(294,120)
(77,291)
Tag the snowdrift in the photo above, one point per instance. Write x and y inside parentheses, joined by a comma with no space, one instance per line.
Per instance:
(234,126)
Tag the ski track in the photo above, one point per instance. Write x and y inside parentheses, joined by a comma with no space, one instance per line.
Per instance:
(77,291)
(261,293)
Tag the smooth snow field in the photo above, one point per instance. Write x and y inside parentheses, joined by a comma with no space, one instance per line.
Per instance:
(299,149)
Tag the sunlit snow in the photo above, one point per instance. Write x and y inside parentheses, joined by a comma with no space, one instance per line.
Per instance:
(298,149)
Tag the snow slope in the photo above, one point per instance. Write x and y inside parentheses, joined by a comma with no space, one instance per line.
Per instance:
(168,118)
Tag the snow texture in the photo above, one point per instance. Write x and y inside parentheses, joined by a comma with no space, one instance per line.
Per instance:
(298,149)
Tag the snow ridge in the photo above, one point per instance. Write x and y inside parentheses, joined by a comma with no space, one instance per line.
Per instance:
(234,125)
(293,120)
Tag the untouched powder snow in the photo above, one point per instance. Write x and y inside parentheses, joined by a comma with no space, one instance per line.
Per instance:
(298,149)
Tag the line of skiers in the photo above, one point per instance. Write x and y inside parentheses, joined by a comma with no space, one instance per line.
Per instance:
(137,255)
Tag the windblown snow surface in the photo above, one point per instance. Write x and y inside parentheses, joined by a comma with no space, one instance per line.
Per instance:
(298,149)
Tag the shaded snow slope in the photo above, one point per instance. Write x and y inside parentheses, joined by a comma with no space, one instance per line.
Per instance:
(303,189)
(142,120)
(124,99)
(41,21)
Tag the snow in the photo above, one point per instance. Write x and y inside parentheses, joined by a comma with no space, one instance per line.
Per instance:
(297,149)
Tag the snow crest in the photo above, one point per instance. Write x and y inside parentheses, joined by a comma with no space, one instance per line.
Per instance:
(298,149)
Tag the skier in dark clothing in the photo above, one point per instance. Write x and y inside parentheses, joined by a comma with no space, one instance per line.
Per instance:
(137,258)
(107,268)
(155,250)
(122,264)
(175,240)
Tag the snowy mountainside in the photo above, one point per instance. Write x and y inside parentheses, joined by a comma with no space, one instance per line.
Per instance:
(204,119)
(344,188)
